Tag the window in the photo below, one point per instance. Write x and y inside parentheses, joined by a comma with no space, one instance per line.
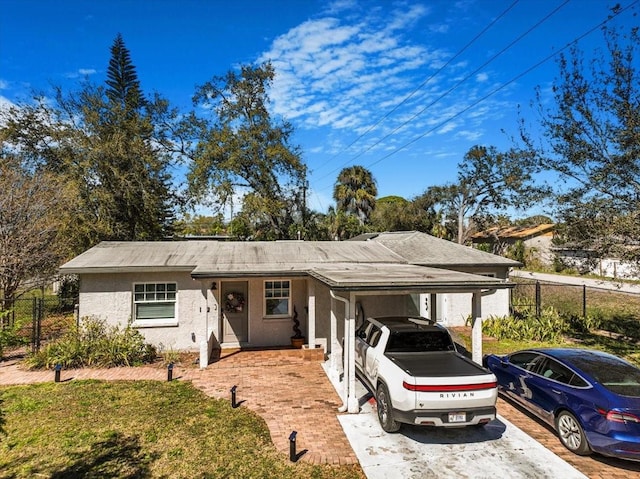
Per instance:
(277,299)
(154,304)
(557,372)
(524,360)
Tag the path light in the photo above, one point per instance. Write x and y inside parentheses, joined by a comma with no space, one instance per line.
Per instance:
(170,372)
(293,457)
(233,397)
(57,372)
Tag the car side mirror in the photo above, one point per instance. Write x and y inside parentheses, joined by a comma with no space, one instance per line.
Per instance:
(362,334)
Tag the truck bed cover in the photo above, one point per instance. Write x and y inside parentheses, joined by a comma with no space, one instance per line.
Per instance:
(436,364)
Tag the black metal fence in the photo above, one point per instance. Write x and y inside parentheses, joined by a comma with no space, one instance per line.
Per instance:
(25,318)
(576,301)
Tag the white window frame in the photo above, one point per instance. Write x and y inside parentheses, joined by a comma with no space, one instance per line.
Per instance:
(273,288)
(151,297)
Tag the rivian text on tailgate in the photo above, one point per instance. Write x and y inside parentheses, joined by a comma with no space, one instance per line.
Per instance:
(418,377)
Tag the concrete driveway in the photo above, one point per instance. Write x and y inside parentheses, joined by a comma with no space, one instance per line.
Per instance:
(498,450)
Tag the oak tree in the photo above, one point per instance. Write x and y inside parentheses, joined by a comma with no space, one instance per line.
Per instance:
(241,150)
(591,142)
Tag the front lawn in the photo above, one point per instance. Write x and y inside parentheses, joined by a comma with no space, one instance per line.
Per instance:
(138,429)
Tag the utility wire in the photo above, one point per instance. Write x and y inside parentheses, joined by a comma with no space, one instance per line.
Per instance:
(496,90)
(419,87)
(470,75)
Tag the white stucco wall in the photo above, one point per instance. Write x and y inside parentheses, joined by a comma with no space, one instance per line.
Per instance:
(274,331)
(454,309)
(110,297)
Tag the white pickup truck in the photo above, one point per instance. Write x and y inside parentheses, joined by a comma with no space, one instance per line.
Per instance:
(417,376)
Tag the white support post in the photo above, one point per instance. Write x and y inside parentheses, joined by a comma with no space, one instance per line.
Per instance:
(204,343)
(476,333)
(353,405)
(333,341)
(346,356)
(311,320)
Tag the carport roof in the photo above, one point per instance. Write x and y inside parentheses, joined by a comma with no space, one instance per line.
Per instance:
(401,277)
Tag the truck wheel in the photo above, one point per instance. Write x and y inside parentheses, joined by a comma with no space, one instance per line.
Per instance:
(571,434)
(385,410)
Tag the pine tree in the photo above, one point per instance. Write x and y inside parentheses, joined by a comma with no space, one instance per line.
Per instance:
(122,79)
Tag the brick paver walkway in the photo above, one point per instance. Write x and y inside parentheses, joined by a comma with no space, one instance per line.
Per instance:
(293,393)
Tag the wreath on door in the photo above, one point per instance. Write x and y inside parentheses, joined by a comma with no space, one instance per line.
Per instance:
(234,302)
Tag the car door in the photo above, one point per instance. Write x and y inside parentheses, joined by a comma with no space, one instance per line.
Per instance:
(547,385)
(371,354)
(512,372)
(361,344)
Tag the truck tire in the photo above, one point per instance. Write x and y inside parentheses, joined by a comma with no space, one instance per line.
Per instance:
(385,410)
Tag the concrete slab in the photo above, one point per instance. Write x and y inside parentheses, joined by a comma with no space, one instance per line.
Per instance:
(498,450)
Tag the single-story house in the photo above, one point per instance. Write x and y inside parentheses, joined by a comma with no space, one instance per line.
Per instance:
(208,295)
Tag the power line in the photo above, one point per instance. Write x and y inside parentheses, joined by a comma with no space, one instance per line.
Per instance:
(517,77)
(419,87)
(470,75)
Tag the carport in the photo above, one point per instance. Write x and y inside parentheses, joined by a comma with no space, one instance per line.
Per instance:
(348,282)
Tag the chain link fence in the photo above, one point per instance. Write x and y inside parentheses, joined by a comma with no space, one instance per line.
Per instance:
(575,301)
(30,321)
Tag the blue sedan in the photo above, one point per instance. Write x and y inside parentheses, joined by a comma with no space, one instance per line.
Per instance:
(591,398)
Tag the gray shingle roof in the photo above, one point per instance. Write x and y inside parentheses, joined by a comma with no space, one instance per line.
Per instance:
(216,257)
(423,249)
(388,261)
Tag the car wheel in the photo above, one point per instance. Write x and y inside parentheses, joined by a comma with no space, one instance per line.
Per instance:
(385,410)
(571,434)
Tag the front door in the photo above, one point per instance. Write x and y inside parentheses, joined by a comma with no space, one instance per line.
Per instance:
(235,316)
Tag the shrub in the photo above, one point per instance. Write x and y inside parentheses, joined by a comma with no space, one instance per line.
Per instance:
(550,326)
(580,324)
(94,344)
(11,334)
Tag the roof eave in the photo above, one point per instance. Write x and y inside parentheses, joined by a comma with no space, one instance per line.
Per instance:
(123,269)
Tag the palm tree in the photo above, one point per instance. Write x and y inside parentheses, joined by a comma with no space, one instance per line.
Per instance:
(355,192)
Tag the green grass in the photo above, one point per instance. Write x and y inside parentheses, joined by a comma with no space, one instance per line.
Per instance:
(138,429)
(568,299)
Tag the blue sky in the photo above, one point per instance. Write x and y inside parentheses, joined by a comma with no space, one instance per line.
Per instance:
(404,88)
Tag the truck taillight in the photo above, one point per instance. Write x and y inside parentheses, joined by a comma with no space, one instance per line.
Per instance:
(444,388)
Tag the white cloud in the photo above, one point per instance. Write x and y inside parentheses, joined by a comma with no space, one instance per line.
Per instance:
(376,72)
(81,72)
(4,84)
(335,72)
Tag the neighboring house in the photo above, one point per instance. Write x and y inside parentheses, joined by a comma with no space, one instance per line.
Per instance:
(208,295)
(537,240)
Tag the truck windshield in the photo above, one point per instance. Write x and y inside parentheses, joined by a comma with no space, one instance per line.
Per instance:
(419,341)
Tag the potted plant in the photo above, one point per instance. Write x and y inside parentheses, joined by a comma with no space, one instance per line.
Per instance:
(297,340)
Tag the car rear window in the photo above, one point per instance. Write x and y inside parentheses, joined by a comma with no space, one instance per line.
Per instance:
(614,374)
(419,341)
